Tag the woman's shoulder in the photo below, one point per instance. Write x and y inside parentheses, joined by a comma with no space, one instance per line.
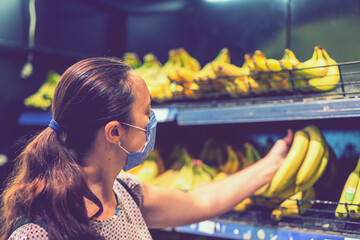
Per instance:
(133,183)
(29,231)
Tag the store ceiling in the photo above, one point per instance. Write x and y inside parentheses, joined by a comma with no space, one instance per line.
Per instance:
(139,6)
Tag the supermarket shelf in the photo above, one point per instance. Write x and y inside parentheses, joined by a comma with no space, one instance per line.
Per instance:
(305,110)
(43,118)
(278,111)
(229,230)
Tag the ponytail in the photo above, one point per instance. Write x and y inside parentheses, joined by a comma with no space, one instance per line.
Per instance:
(45,185)
(48,182)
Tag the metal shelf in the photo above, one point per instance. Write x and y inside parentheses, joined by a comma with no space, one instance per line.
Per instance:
(43,118)
(266,112)
(229,230)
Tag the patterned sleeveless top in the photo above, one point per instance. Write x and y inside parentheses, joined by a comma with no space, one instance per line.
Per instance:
(126,223)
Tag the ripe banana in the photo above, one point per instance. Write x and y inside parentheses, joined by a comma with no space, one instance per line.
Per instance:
(162,177)
(248,63)
(332,77)
(219,176)
(232,164)
(246,203)
(251,154)
(314,67)
(348,192)
(291,164)
(132,60)
(295,204)
(261,70)
(277,80)
(313,156)
(42,98)
(319,172)
(148,171)
(188,61)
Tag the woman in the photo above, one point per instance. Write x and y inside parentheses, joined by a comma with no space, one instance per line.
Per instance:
(65,182)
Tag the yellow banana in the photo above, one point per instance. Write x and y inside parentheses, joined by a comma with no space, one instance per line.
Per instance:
(295,204)
(223,56)
(197,178)
(219,176)
(162,177)
(188,61)
(183,178)
(243,205)
(313,156)
(314,67)
(348,193)
(232,164)
(318,173)
(277,80)
(132,60)
(248,63)
(148,171)
(275,200)
(261,72)
(168,182)
(291,164)
(330,80)
(290,56)
(205,176)
(42,98)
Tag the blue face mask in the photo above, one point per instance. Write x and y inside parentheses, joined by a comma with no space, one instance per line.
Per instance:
(136,158)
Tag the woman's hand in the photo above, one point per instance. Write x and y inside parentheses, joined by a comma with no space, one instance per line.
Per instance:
(278,152)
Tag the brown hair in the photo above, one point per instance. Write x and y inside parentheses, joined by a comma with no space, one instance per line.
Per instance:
(48,181)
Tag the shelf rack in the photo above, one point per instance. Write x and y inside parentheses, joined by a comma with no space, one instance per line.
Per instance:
(318,222)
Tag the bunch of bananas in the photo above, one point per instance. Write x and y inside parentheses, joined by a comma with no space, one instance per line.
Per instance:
(182,75)
(191,80)
(132,59)
(186,174)
(349,203)
(294,182)
(320,73)
(152,167)
(42,98)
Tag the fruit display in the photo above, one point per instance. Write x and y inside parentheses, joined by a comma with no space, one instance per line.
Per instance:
(187,173)
(292,191)
(42,98)
(182,76)
(292,188)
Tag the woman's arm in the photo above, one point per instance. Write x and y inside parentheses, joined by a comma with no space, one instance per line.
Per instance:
(169,208)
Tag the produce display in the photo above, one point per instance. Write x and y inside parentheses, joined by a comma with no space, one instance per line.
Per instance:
(182,75)
(43,97)
(291,190)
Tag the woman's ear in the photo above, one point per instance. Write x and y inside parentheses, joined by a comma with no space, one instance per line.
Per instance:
(113,131)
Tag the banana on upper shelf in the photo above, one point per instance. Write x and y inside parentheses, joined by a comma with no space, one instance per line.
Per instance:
(182,76)
(42,98)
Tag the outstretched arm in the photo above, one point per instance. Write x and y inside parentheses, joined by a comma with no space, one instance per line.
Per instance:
(169,208)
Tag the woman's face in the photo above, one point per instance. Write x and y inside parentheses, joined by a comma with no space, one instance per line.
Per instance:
(134,139)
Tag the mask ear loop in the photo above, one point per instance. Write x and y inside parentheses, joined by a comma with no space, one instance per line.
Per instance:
(119,143)
(134,126)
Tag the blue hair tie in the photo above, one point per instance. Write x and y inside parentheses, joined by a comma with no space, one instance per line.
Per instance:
(55,126)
